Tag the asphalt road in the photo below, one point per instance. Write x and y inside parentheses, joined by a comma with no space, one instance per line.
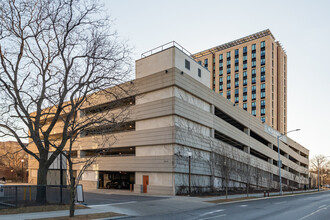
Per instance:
(300,207)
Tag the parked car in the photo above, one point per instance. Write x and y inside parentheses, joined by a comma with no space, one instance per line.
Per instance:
(117,184)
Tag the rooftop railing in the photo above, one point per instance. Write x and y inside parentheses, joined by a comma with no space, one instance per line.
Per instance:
(164,47)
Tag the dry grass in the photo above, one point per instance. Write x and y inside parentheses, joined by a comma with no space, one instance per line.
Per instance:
(87,216)
(45,208)
(231,200)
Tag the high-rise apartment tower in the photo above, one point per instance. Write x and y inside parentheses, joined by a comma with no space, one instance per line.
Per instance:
(252,73)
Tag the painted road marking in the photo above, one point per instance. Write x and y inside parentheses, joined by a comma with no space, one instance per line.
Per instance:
(218,216)
(121,203)
(306,216)
(243,205)
(279,203)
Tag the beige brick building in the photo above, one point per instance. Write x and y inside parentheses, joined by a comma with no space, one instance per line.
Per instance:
(176,117)
(252,73)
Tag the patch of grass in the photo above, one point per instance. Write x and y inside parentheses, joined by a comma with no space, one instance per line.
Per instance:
(44,208)
(231,200)
(87,216)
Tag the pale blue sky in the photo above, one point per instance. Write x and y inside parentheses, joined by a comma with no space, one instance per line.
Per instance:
(303,28)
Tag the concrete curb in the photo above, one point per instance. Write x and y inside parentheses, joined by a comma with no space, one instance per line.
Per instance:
(262,198)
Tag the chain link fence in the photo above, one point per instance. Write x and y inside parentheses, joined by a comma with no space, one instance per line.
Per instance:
(13,196)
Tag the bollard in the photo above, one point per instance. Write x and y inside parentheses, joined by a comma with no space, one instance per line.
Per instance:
(30,193)
(264,193)
(268,194)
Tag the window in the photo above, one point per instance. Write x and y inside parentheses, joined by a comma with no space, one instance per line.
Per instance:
(262,78)
(236,99)
(228,94)
(199,73)
(253,47)
(187,64)
(220,87)
(262,111)
(244,74)
(262,61)
(236,76)
(254,88)
(253,80)
(253,64)
(262,103)
(220,64)
(206,63)
(228,78)
(236,92)
(262,95)
(253,72)
(244,90)
(253,55)
(262,54)
(220,57)
(262,69)
(244,82)
(263,86)
(236,84)
(245,58)
(220,72)
(245,106)
(236,68)
(228,54)
(200,62)
(221,93)
(253,105)
(253,96)
(236,61)
(228,85)
(244,66)
(228,62)
(228,70)
(244,49)
(244,98)
(254,112)
(220,79)
(263,119)
(262,44)
(236,52)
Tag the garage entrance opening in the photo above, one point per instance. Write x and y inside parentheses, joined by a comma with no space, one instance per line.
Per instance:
(116,180)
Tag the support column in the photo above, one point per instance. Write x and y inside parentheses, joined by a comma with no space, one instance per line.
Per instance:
(247,131)
(270,145)
(247,149)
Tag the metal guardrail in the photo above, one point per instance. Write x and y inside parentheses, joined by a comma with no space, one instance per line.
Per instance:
(164,47)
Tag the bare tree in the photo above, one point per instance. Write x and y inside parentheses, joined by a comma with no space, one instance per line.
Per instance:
(319,163)
(54,55)
(13,158)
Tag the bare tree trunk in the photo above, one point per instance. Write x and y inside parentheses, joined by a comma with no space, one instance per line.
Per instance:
(42,183)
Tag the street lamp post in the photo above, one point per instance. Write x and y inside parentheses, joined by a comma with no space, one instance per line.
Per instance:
(189,164)
(22,170)
(279,163)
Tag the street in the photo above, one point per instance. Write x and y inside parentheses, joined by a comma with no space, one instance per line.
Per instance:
(298,207)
